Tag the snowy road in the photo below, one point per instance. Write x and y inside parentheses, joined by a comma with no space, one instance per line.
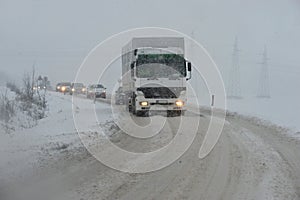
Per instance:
(250,161)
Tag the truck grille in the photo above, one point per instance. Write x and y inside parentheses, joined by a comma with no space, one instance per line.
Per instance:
(161,92)
(163,104)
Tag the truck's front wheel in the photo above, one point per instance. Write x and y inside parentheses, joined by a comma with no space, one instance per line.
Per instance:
(174,113)
(142,113)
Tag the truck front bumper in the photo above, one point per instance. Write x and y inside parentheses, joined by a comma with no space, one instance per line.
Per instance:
(160,104)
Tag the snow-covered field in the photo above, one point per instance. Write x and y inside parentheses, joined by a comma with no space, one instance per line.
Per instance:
(51,135)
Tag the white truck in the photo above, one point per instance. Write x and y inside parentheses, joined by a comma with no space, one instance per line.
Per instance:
(154,75)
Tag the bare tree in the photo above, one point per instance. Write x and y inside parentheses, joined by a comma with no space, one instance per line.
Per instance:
(28,86)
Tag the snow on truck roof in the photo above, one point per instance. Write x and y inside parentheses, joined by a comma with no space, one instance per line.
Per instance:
(154,42)
(170,50)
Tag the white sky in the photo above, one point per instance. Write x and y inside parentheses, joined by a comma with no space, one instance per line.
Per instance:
(57,34)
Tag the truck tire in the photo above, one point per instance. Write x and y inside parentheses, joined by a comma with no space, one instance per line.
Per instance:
(178,113)
(142,113)
(134,110)
(170,113)
(174,113)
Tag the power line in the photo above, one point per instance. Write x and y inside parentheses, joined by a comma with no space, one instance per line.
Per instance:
(234,88)
(263,84)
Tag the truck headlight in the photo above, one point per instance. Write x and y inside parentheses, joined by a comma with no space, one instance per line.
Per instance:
(73,89)
(63,89)
(179,103)
(83,89)
(144,103)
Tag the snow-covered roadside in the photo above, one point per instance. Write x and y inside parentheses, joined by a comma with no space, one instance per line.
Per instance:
(266,111)
(12,118)
(22,150)
(280,110)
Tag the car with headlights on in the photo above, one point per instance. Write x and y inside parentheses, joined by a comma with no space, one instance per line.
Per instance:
(65,87)
(77,88)
(57,88)
(96,91)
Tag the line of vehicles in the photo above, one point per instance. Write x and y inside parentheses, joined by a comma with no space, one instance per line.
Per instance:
(92,91)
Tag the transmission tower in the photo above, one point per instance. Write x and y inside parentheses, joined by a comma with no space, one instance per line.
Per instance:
(263,84)
(234,88)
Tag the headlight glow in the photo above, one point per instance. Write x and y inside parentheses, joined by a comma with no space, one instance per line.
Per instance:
(63,88)
(144,103)
(73,90)
(179,103)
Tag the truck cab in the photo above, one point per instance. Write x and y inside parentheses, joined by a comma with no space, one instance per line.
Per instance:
(157,77)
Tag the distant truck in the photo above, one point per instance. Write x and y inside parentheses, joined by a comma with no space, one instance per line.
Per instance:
(154,75)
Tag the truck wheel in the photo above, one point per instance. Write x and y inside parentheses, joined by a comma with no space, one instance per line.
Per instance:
(146,114)
(174,113)
(170,113)
(142,113)
(178,113)
(129,108)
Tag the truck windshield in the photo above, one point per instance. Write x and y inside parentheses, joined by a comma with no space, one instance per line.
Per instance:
(160,65)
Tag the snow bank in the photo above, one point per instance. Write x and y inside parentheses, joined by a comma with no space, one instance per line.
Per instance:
(266,111)
(52,135)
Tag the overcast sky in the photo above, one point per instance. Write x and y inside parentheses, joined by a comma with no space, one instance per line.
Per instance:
(56,35)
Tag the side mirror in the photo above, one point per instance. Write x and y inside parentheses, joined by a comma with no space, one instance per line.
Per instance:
(135,52)
(189,67)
